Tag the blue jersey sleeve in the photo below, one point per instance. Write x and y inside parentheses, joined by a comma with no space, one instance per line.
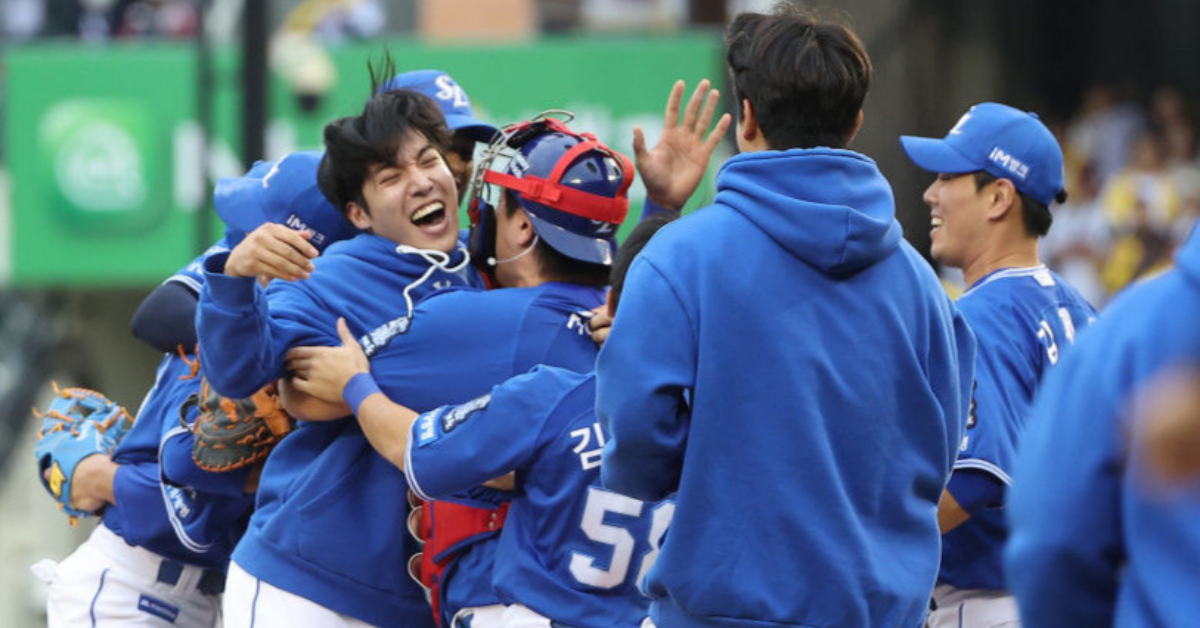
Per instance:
(1005,377)
(455,448)
(179,467)
(643,375)
(243,341)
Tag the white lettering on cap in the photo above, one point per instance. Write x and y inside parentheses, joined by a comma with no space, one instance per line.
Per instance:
(448,90)
(1013,165)
(957,130)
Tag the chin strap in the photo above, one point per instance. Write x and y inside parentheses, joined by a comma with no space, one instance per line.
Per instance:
(491,261)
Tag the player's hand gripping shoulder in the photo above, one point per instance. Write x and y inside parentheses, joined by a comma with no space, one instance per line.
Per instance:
(323,372)
(80,431)
(273,251)
(599,324)
(673,169)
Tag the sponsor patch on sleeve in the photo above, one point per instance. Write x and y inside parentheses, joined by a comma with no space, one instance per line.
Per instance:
(459,414)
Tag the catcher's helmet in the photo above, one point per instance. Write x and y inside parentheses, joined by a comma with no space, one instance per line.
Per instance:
(573,188)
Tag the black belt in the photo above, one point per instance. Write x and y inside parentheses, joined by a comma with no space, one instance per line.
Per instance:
(212,581)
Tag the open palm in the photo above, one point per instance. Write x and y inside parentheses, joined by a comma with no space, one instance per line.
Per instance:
(673,169)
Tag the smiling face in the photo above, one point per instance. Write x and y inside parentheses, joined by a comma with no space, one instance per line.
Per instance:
(958,216)
(413,202)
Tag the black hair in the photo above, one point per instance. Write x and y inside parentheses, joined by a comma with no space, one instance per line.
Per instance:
(1035,215)
(554,265)
(356,145)
(633,244)
(805,77)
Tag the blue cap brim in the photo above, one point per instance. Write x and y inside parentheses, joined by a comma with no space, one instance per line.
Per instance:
(935,155)
(238,201)
(580,247)
(471,127)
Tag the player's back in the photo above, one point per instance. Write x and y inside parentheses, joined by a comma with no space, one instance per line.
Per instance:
(570,551)
(826,367)
(1025,320)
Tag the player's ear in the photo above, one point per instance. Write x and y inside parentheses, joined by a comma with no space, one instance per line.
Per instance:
(1002,198)
(748,125)
(358,216)
(858,120)
(520,229)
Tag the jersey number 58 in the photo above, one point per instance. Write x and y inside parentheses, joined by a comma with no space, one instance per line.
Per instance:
(600,501)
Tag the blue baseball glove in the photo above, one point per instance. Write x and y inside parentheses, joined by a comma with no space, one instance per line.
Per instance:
(78,424)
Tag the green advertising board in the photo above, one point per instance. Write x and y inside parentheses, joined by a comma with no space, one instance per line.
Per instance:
(103,145)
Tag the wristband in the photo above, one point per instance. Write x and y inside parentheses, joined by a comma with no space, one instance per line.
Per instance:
(358,389)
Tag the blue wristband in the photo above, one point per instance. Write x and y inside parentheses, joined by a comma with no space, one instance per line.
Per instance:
(358,389)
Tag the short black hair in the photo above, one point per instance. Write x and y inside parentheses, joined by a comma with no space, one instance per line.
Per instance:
(1035,215)
(355,145)
(633,244)
(555,265)
(805,77)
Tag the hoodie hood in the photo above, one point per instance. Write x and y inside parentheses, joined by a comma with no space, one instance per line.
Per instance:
(831,208)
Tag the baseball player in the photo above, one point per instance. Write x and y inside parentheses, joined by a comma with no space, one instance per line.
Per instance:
(551,202)
(998,171)
(166,318)
(407,207)
(571,552)
(787,366)
(162,549)
(1090,544)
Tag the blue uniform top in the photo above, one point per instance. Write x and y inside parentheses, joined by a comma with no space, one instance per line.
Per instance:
(1024,319)
(795,371)
(352,563)
(1089,546)
(365,279)
(174,521)
(330,518)
(570,550)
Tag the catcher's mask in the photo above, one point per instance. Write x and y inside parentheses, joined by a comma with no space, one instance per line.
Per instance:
(573,188)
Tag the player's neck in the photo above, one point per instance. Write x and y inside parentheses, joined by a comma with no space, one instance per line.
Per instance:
(1016,255)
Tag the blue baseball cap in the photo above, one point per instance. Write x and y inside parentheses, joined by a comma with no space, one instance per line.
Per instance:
(452,99)
(283,191)
(1006,142)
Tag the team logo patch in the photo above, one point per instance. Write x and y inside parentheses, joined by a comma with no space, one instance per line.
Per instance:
(459,415)
(158,608)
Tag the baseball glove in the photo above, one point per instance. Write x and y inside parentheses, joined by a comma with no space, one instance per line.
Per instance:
(78,424)
(233,433)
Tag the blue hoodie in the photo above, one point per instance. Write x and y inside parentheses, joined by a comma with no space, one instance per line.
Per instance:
(1088,544)
(243,341)
(792,368)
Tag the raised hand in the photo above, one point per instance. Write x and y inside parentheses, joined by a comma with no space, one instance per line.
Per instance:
(273,251)
(673,169)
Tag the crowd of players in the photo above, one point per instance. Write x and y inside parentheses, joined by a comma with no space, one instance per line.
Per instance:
(789,422)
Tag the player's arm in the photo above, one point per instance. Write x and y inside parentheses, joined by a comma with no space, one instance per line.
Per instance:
(969,492)
(166,318)
(344,371)
(307,407)
(179,467)
(643,373)
(242,338)
(1064,508)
